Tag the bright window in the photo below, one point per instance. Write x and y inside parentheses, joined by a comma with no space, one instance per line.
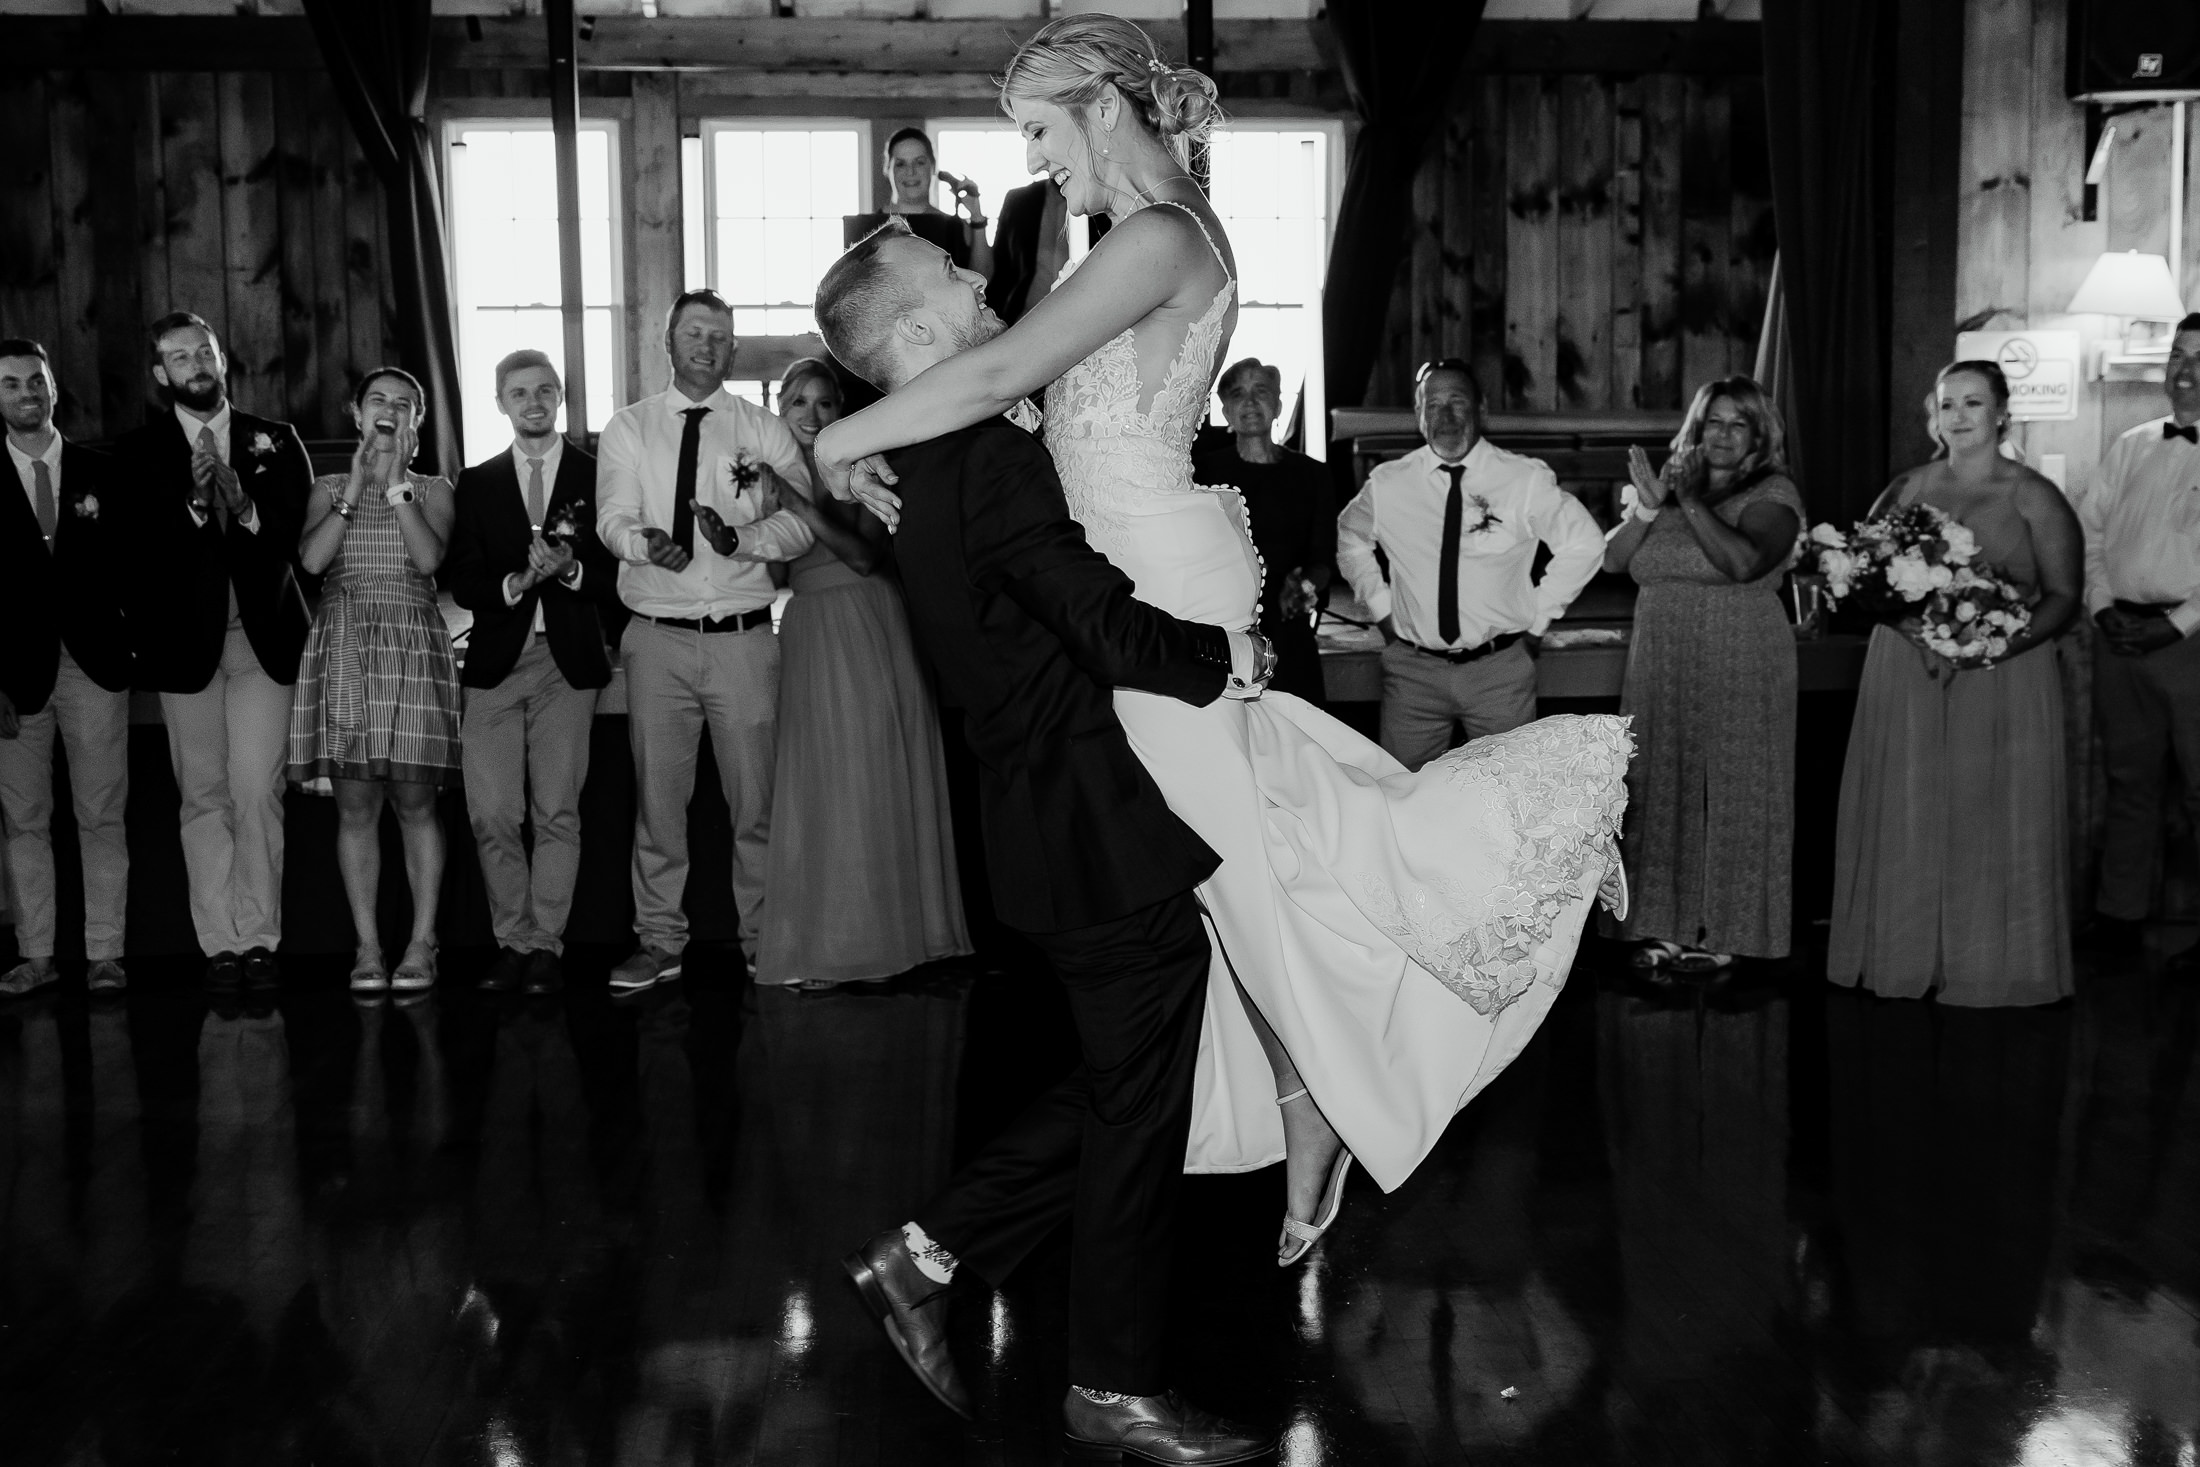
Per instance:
(1273,189)
(504,255)
(777,192)
(991,155)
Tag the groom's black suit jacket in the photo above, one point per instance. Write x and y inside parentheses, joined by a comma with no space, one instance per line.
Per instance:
(1031,630)
(489,540)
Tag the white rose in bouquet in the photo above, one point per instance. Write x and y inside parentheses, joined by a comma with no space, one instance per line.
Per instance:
(1961,543)
(1909,576)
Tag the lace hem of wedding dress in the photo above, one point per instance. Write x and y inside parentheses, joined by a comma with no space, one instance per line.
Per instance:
(1560,783)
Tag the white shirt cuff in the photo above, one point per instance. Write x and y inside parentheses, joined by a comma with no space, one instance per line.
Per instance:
(511,595)
(1378,604)
(251,520)
(2186,617)
(1244,662)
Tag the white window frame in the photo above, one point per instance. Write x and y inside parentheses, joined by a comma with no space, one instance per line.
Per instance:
(606,398)
(712,126)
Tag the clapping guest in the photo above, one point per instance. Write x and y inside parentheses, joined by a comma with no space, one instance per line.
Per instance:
(217,622)
(377,706)
(64,669)
(1711,686)
(1294,520)
(861,881)
(1951,861)
(525,560)
(1459,520)
(687,498)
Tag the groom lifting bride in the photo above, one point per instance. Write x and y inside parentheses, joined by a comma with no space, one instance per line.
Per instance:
(1379,943)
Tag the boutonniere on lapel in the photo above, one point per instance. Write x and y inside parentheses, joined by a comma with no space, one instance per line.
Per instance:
(564,525)
(1024,415)
(1485,517)
(262,445)
(87,508)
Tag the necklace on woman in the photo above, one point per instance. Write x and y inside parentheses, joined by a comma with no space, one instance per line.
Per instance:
(1146,200)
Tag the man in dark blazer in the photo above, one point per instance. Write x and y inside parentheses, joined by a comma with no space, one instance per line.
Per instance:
(218,621)
(525,560)
(1030,247)
(1030,631)
(64,668)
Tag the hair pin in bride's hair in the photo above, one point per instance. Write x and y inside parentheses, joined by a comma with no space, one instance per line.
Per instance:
(1155,65)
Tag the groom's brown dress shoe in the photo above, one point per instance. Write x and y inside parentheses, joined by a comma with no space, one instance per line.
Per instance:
(913,1312)
(1166,1429)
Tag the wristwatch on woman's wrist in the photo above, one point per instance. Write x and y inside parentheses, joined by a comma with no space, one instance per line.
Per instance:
(339,503)
(398,494)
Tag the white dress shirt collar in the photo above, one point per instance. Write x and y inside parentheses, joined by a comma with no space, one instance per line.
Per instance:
(219,423)
(51,458)
(677,402)
(551,457)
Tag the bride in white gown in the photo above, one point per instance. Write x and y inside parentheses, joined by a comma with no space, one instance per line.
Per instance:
(1385,941)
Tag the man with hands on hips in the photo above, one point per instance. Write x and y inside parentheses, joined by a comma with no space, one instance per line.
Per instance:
(525,560)
(1459,520)
(685,501)
(2141,518)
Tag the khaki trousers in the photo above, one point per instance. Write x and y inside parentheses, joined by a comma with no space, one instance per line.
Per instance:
(227,743)
(525,756)
(94,726)
(679,683)
(2149,712)
(1424,696)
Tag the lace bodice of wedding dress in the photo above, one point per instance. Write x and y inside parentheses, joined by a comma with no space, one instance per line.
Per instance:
(1403,932)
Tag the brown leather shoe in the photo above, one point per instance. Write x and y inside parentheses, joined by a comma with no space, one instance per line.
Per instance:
(913,1312)
(1166,1429)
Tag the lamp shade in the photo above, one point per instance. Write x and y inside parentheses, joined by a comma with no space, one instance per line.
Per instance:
(2129,284)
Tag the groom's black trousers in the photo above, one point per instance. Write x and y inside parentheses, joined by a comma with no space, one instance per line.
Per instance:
(1104,1149)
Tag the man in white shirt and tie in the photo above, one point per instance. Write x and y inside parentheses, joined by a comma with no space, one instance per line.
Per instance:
(524,558)
(2142,586)
(1459,520)
(686,501)
(64,670)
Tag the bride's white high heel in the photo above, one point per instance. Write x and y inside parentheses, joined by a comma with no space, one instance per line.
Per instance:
(1304,1236)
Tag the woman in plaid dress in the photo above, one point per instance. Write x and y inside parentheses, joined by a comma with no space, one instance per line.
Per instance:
(376,711)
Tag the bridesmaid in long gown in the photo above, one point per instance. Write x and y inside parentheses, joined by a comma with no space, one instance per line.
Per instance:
(1951,872)
(860,882)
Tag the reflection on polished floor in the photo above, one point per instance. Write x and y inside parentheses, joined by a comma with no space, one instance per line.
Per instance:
(1777,1223)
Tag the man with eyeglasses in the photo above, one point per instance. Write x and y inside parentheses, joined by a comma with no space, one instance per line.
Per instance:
(1459,520)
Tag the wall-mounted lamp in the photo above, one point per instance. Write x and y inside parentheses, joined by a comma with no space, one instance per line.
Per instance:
(2140,291)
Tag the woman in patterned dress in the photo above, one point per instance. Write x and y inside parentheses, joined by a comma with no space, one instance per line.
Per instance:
(1711,687)
(376,711)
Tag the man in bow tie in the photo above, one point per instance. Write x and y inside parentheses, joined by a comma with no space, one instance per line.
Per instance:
(694,541)
(524,558)
(219,621)
(64,670)
(2142,585)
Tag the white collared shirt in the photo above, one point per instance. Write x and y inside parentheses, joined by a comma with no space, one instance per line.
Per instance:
(637,462)
(1401,509)
(2142,525)
(220,424)
(29,475)
(551,457)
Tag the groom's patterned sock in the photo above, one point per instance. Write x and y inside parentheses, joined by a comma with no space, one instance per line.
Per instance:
(933,1261)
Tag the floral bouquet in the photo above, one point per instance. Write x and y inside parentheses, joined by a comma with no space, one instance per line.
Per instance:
(1915,567)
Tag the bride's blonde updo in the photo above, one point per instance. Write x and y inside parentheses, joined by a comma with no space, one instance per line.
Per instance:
(1071,59)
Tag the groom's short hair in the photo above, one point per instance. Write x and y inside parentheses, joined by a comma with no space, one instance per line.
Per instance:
(858,303)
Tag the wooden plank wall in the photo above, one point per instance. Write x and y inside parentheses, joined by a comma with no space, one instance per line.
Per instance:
(1588,241)
(239,195)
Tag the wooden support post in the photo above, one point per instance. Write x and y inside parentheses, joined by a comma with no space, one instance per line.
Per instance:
(565,109)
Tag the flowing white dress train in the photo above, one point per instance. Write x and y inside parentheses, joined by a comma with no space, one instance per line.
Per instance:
(1403,932)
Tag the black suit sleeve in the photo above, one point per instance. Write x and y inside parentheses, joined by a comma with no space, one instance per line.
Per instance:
(599,567)
(281,501)
(475,584)
(1036,555)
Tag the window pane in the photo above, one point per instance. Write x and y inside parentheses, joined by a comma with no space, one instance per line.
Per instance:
(783,192)
(989,155)
(1271,187)
(696,272)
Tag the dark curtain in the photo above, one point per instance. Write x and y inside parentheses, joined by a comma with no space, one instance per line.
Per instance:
(378,58)
(1398,63)
(1828,88)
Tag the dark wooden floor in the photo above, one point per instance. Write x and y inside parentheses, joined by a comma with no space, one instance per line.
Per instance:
(1777,1223)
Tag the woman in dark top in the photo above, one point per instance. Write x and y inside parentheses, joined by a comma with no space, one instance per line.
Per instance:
(910,169)
(1294,520)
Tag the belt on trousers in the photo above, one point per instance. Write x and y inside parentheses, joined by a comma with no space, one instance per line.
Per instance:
(1497,643)
(740,621)
(2152,610)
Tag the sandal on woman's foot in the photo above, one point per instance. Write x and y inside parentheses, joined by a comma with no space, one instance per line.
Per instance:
(1656,953)
(417,972)
(367,973)
(1698,962)
(1299,1238)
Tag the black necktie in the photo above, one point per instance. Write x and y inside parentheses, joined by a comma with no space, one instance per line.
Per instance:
(1447,574)
(683,483)
(2190,432)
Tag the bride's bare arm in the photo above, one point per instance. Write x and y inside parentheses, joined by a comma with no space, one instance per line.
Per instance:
(1142,264)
